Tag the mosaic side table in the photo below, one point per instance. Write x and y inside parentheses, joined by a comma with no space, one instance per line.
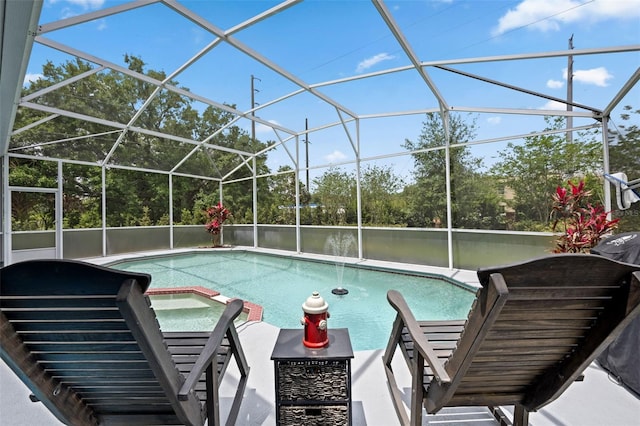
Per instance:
(313,386)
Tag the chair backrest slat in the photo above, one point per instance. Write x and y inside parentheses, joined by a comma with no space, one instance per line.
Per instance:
(485,311)
(73,324)
(558,315)
(136,310)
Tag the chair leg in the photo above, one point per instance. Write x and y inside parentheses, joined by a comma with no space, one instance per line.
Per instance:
(500,416)
(243,367)
(213,395)
(417,389)
(398,404)
(520,416)
(396,398)
(394,338)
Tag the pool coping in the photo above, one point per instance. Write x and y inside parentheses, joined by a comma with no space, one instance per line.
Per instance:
(465,279)
(253,310)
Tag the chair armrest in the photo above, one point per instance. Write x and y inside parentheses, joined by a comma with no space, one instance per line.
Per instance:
(208,354)
(420,341)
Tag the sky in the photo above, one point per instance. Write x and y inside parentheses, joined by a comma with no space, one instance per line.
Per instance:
(327,40)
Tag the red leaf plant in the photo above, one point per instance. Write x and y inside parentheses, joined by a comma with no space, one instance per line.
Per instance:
(583,227)
(216,216)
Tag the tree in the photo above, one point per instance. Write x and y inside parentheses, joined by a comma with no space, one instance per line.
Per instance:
(117,97)
(335,192)
(32,211)
(478,202)
(238,196)
(191,197)
(380,187)
(282,205)
(536,167)
(82,201)
(427,196)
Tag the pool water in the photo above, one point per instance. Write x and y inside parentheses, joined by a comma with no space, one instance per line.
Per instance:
(188,312)
(282,284)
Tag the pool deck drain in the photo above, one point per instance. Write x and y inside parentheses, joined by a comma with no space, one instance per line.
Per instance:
(253,310)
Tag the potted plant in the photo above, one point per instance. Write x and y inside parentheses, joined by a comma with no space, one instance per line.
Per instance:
(581,223)
(216,216)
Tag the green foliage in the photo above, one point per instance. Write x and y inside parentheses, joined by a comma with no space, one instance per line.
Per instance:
(428,202)
(33,173)
(535,168)
(89,219)
(201,203)
(116,97)
(381,199)
(130,192)
(163,220)
(186,218)
(145,220)
(278,205)
(82,203)
(40,214)
(531,169)
(479,203)
(194,196)
(624,156)
(32,211)
(336,194)
(476,203)
(582,224)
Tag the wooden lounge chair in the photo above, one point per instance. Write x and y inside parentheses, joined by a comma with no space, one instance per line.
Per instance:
(532,330)
(86,342)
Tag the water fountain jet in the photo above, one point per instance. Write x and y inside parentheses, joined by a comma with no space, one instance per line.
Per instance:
(340,245)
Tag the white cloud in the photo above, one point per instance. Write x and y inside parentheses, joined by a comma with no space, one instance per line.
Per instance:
(102,24)
(85,4)
(555,84)
(28,78)
(554,106)
(550,15)
(596,76)
(494,120)
(198,35)
(335,156)
(263,128)
(75,7)
(369,62)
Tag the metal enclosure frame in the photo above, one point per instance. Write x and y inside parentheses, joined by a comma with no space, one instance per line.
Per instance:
(22,31)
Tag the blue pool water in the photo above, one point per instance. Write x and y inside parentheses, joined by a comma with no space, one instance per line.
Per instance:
(282,284)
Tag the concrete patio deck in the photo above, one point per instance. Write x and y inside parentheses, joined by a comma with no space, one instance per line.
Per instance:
(597,401)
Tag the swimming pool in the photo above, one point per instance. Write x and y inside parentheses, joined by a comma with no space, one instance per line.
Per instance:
(281,285)
(202,313)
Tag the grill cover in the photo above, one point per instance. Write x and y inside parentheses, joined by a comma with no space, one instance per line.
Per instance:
(620,358)
(622,247)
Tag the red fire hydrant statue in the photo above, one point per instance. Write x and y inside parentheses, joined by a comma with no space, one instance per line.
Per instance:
(315,321)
